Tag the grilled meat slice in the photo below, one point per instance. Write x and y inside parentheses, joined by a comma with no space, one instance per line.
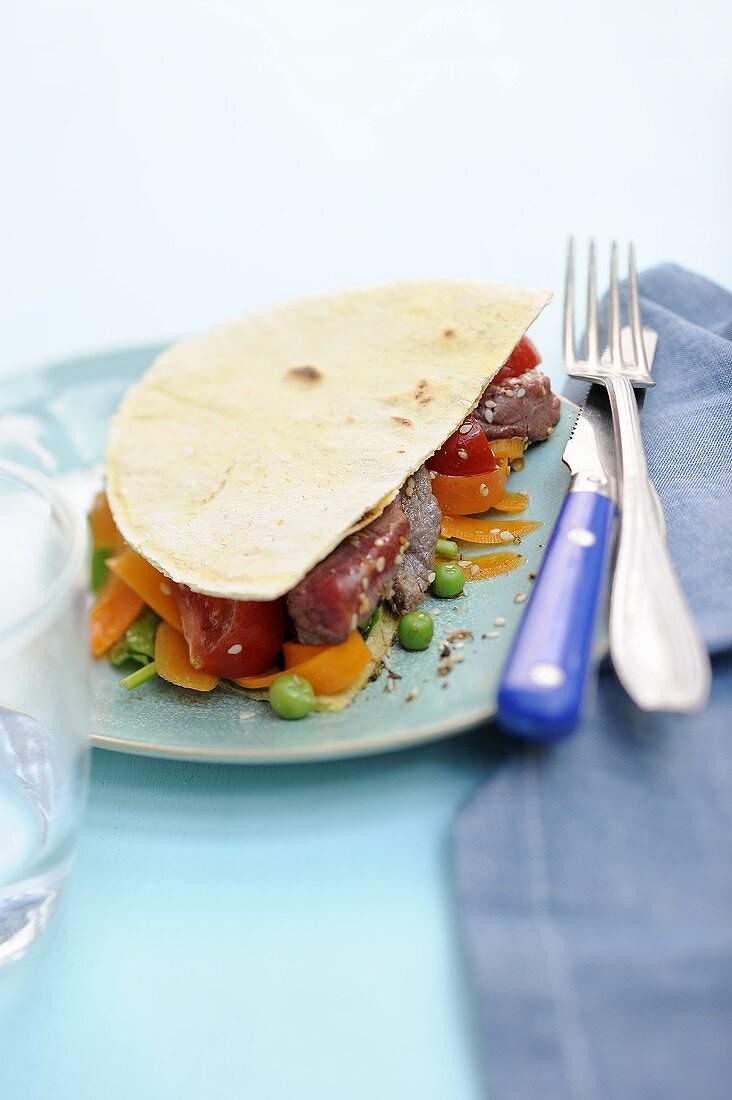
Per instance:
(423,512)
(519,406)
(343,590)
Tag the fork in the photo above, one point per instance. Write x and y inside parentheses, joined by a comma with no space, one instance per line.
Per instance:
(655,646)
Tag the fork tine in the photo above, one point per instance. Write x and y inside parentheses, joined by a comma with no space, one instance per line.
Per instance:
(569,341)
(613,308)
(636,322)
(592,339)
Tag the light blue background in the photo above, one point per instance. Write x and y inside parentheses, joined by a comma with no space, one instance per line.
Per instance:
(282,933)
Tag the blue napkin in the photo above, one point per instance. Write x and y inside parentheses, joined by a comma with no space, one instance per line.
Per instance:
(594,879)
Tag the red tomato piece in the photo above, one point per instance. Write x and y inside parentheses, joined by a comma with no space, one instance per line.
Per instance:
(523,357)
(231,638)
(467,451)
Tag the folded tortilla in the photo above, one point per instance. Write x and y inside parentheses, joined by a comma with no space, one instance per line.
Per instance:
(245,455)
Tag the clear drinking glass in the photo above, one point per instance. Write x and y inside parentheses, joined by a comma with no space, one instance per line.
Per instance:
(44,699)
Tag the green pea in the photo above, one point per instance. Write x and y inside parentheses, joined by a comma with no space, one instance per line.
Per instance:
(449,581)
(415,630)
(291,696)
(446,548)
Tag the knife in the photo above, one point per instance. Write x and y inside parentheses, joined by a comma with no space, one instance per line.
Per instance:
(545,681)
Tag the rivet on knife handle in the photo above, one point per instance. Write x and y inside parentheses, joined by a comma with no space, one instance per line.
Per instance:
(546,676)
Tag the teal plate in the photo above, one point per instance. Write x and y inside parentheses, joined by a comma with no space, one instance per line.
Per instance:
(56,419)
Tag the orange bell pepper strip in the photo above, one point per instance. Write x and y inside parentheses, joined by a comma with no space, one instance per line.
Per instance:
(492,565)
(509,448)
(328,672)
(151,586)
(512,502)
(173,663)
(469,493)
(487,532)
(105,535)
(115,608)
(295,652)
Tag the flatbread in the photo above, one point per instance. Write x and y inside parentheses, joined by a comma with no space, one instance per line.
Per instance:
(245,455)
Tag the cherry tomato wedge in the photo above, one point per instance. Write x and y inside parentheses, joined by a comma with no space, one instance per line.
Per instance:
(464,496)
(467,451)
(231,638)
(523,357)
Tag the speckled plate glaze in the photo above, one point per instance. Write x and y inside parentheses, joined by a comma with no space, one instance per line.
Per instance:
(55,420)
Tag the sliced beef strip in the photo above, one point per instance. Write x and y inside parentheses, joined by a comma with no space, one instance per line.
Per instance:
(520,406)
(343,590)
(411,578)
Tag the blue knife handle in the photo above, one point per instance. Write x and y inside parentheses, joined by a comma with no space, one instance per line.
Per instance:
(544,681)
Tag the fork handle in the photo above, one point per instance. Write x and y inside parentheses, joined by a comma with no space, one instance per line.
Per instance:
(545,679)
(655,646)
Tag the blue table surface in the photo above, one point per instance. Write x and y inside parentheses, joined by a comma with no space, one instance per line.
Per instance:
(269,932)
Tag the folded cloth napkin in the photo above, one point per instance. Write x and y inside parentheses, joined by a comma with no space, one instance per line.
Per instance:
(594,879)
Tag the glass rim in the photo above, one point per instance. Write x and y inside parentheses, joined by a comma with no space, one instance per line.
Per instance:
(75,542)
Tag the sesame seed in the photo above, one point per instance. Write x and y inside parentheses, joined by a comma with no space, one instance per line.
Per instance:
(523,492)
(462,454)
(542,391)
(520,392)
(489,404)
(495,531)
(520,597)
(365,583)
(409,490)
(474,570)
(464,429)
(354,622)
(549,431)
(483,490)
(378,542)
(488,415)
(432,474)
(166,589)
(380,565)
(499,621)
(506,536)
(492,634)
(431,577)
(234,649)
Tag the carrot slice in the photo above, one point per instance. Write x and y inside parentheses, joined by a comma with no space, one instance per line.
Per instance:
(115,608)
(487,532)
(173,663)
(512,502)
(509,448)
(152,587)
(328,672)
(469,493)
(295,652)
(105,535)
(492,565)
